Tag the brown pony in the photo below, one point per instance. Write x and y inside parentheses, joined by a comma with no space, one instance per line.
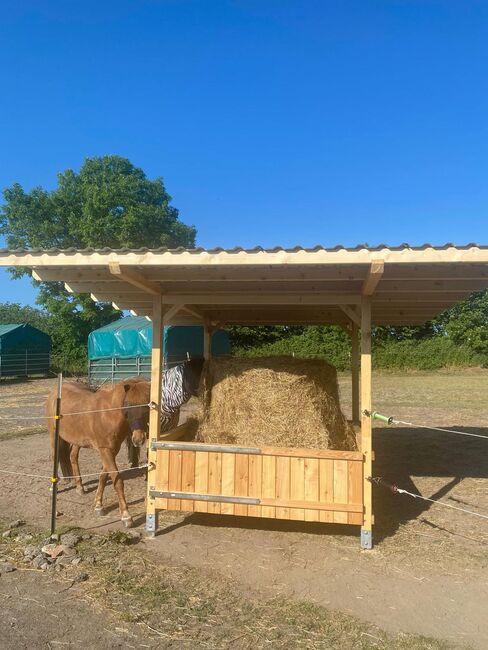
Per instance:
(104,431)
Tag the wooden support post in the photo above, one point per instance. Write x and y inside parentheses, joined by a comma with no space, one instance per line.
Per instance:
(155,413)
(355,372)
(207,341)
(366,428)
(55,476)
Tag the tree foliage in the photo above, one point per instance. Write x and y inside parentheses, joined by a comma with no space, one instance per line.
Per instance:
(242,337)
(14,312)
(108,203)
(458,337)
(467,323)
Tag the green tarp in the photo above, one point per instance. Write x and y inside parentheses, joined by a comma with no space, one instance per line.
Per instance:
(24,350)
(131,337)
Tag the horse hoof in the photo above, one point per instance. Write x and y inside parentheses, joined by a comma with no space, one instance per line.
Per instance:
(99,510)
(128,523)
(80,489)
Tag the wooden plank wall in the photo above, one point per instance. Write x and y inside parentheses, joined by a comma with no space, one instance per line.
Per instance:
(286,481)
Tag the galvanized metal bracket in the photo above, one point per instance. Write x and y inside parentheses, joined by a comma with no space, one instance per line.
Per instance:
(366,539)
(193,496)
(151,524)
(201,446)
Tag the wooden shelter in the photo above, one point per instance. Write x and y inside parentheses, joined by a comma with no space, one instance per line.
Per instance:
(351,287)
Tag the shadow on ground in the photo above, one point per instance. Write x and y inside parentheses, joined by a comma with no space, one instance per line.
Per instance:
(405,453)
(401,455)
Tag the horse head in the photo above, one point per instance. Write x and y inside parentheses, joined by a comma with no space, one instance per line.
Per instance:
(192,374)
(137,395)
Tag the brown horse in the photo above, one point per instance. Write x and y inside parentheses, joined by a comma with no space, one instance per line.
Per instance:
(104,430)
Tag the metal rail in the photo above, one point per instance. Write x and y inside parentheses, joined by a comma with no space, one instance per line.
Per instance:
(203,446)
(193,496)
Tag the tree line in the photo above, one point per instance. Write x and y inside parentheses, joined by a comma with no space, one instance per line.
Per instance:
(112,203)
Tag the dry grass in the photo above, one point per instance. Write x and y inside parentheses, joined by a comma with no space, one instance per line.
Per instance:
(21,397)
(187,608)
(276,401)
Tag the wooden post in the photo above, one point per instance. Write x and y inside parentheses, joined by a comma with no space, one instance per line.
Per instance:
(366,428)
(55,475)
(155,413)
(355,372)
(207,342)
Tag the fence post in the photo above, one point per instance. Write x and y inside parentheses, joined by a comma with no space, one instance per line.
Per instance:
(55,477)
(366,425)
(154,413)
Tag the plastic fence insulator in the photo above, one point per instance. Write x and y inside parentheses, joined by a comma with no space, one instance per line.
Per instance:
(381,418)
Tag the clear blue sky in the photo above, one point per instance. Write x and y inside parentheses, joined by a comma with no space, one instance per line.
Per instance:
(271,121)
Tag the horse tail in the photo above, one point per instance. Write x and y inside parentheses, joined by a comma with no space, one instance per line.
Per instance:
(132,451)
(64,457)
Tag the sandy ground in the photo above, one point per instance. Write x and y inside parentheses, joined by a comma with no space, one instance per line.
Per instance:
(428,573)
(37,598)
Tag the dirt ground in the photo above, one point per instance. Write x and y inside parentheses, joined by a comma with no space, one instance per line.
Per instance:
(428,572)
(35,597)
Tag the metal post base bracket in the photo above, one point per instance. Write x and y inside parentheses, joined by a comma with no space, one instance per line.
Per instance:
(151,524)
(366,539)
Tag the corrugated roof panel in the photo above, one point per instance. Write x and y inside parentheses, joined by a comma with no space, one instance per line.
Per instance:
(239,249)
(5,329)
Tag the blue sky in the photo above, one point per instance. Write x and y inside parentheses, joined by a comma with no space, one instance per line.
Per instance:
(271,121)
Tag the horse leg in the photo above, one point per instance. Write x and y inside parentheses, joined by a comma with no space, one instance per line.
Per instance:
(132,452)
(102,480)
(73,456)
(111,466)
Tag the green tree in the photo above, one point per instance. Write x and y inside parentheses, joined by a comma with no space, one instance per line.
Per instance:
(467,323)
(108,203)
(13,312)
(243,337)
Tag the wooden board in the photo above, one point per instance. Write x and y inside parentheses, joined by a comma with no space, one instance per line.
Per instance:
(300,485)
(201,480)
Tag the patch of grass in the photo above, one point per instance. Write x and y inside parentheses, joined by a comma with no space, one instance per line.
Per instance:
(196,608)
(203,609)
(119,537)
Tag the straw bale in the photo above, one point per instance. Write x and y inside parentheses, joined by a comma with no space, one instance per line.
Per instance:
(273,401)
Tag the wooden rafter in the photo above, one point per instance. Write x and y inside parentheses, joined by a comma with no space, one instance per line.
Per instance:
(375,273)
(134,277)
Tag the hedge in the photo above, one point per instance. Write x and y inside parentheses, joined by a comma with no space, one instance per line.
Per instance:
(334,347)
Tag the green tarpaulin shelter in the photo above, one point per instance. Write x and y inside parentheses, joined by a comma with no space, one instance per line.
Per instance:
(123,348)
(24,350)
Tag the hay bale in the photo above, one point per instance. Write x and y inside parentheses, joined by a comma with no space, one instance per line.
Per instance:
(273,401)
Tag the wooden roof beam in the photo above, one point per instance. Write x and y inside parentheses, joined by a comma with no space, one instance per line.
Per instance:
(261,299)
(375,273)
(133,277)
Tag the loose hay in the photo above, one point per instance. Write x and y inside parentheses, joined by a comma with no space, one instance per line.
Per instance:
(273,401)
